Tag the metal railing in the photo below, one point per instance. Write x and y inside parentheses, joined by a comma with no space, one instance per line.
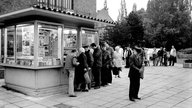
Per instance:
(56,4)
(62,5)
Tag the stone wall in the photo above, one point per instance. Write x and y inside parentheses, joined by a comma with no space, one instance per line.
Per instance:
(7,6)
(85,7)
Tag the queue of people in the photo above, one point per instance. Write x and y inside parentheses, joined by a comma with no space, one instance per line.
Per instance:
(92,66)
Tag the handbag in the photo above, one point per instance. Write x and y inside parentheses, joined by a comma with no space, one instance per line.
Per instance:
(142,72)
(87,79)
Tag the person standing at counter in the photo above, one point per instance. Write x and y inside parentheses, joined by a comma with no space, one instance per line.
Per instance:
(81,71)
(111,53)
(97,64)
(70,64)
(105,71)
(90,61)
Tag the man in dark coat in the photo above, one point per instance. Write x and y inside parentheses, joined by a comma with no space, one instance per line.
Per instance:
(136,68)
(97,64)
(160,56)
(105,66)
(110,50)
(90,61)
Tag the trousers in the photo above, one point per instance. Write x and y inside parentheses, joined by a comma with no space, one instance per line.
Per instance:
(97,75)
(134,87)
(71,74)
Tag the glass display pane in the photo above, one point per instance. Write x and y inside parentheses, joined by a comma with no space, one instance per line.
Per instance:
(49,45)
(2,45)
(10,31)
(70,38)
(88,37)
(25,44)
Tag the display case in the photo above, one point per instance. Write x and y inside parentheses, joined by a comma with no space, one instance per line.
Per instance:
(69,40)
(32,44)
(25,44)
(49,53)
(89,36)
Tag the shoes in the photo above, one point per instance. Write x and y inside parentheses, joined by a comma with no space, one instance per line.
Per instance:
(119,77)
(109,84)
(72,96)
(97,87)
(137,98)
(78,90)
(131,99)
(85,90)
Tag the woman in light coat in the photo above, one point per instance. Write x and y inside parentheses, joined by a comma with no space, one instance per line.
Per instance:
(117,60)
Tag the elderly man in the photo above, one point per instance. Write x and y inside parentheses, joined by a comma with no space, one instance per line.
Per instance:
(97,64)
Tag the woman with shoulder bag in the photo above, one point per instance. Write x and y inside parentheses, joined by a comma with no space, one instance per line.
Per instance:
(82,76)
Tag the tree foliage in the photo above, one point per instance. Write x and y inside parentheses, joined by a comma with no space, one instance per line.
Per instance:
(164,23)
(127,32)
(168,23)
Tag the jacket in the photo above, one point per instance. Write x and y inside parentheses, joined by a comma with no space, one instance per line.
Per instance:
(97,55)
(135,64)
(90,59)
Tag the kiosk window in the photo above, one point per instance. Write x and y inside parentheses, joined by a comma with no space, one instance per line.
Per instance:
(49,45)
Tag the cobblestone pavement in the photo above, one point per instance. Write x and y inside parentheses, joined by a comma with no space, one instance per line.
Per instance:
(162,87)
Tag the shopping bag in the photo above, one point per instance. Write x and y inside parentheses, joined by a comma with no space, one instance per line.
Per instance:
(87,79)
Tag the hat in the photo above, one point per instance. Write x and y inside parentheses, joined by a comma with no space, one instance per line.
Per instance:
(86,46)
(138,49)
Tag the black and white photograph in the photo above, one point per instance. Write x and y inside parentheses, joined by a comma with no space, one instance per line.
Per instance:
(95,53)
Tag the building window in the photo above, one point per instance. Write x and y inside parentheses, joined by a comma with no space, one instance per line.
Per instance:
(49,45)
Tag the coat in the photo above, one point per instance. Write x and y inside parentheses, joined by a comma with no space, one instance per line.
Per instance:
(135,64)
(105,59)
(97,55)
(117,59)
(90,59)
(80,69)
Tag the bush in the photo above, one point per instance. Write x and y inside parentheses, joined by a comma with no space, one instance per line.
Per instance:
(188,61)
(186,51)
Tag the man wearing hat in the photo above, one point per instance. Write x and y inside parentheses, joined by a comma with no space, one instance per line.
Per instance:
(90,61)
(135,73)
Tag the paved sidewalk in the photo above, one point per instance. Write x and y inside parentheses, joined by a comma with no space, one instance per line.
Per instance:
(162,87)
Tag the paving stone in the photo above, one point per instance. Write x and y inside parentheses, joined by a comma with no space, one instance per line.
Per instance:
(24,103)
(10,106)
(15,99)
(36,106)
(162,87)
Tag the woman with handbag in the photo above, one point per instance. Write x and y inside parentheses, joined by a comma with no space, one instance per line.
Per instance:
(82,76)
(135,73)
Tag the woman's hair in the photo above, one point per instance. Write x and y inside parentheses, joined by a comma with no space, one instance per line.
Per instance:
(93,45)
(74,50)
(117,48)
(81,49)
